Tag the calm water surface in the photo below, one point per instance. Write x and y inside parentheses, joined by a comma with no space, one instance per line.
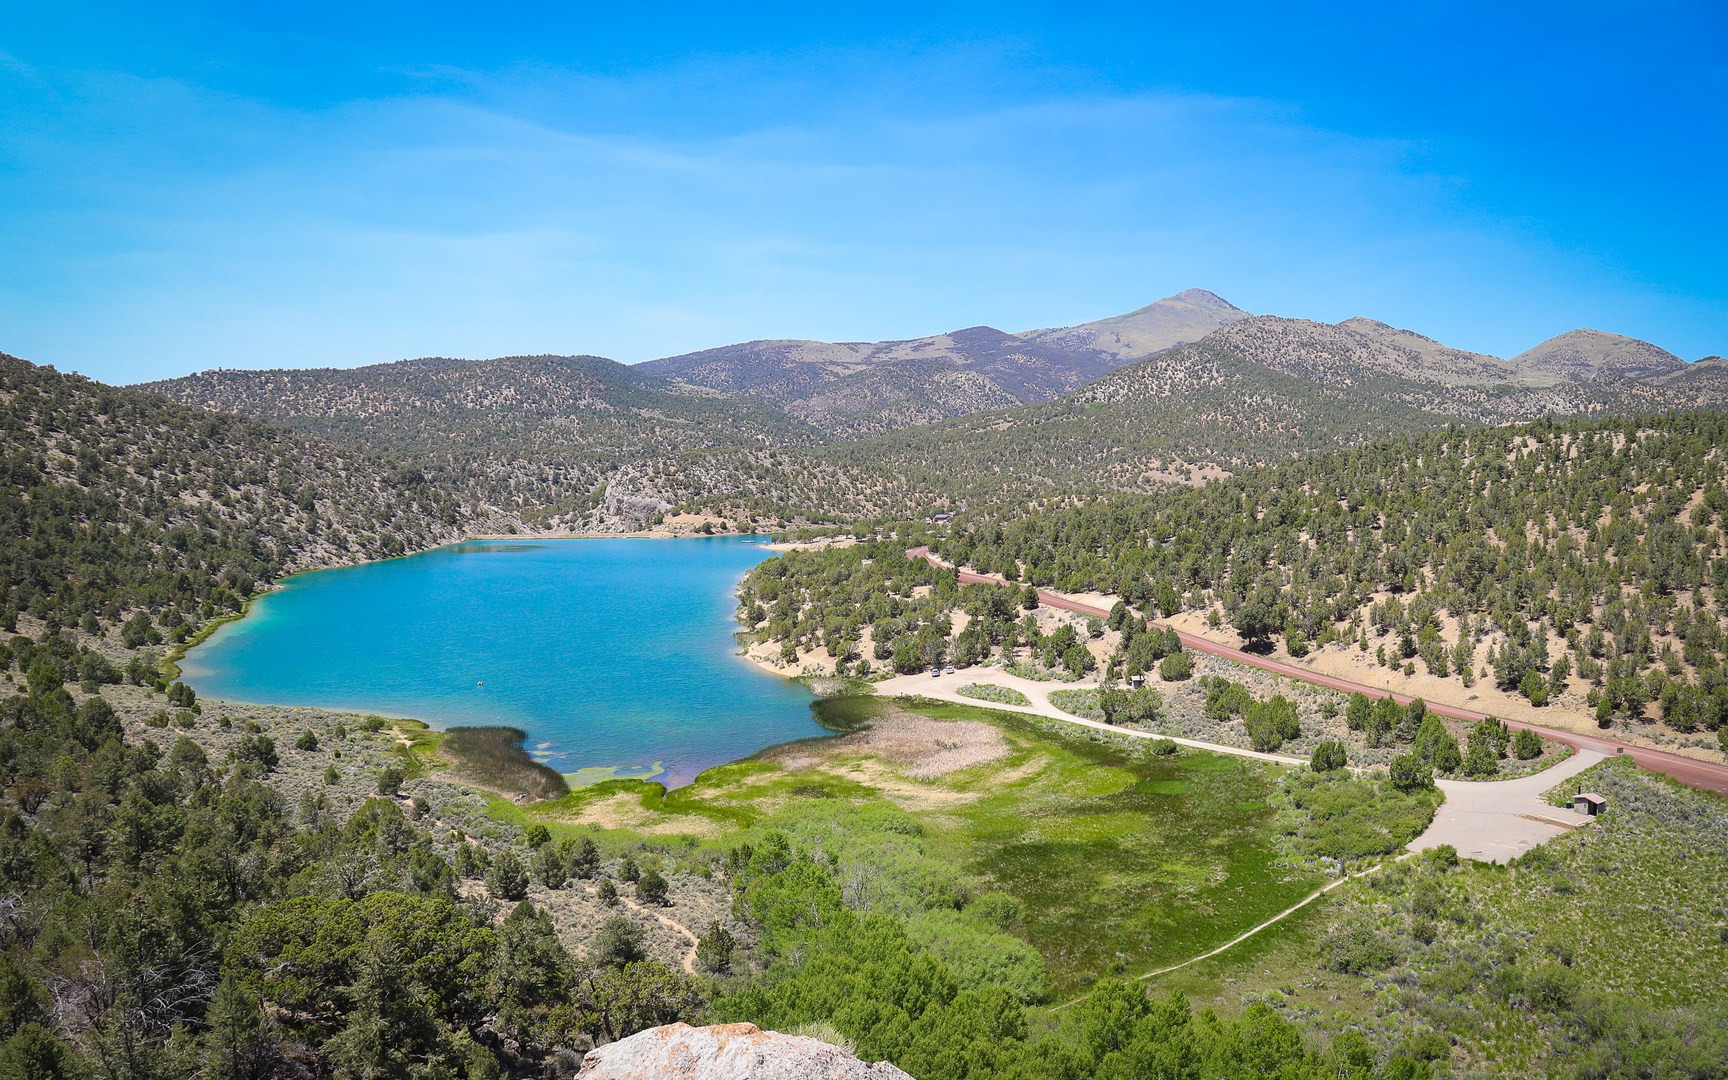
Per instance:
(608,653)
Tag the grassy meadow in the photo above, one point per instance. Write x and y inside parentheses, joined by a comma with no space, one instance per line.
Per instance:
(1599,953)
(1054,859)
(1120,858)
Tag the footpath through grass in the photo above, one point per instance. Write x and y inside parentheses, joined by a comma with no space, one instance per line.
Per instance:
(1598,953)
(1124,860)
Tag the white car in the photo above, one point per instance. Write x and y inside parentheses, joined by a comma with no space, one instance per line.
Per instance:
(949,670)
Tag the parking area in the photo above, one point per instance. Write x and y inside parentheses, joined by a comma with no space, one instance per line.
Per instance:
(1499,820)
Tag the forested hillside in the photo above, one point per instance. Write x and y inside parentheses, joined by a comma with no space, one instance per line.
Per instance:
(531,434)
(1258,391)
(167,910)
(1186,412)
(114,502)
(1559,557)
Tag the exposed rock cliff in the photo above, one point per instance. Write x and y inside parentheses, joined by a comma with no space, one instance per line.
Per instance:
(727,1052)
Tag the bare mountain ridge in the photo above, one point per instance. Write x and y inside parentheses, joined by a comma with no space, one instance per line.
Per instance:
(807,391)
(1175,320)
(857,388)
(1702,384)
(1376,364)
(1302,346)
(1259,390)
(1405,352)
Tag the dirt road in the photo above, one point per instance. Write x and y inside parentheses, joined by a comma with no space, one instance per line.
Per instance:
(947,688)
(1704,775)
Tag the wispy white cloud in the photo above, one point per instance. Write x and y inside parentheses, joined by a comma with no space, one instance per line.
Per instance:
(163,225)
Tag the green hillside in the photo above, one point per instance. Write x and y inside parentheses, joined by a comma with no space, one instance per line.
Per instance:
(542,435)
(115,502)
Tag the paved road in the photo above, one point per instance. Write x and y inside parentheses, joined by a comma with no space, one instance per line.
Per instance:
(1499,820)
(1704,775)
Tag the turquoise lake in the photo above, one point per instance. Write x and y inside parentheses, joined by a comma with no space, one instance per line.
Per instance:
(608,653)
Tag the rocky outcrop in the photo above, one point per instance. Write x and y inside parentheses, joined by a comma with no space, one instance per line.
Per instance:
(727,1052)
(627,504)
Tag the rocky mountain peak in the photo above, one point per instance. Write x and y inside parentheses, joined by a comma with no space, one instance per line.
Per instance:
(1203,298)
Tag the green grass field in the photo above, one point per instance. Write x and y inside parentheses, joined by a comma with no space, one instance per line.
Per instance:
(1279,965)
(1604,945)
(1122,860)
(1596,952)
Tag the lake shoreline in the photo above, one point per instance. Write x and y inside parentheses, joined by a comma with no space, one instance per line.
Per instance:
(615,659)
(646,534)
(495,757)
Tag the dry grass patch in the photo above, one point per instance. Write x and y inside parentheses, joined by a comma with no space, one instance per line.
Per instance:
(892,784)
(625,811)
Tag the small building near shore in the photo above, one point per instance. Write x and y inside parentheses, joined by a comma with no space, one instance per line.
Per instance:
(1588,802)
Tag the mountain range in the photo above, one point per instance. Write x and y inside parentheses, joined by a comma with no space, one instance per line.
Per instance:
(1188,384)
(853,388)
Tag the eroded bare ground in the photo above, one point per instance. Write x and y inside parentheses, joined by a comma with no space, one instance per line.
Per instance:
(919,747)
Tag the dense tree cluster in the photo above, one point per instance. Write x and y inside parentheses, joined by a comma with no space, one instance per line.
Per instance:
(833,598)
(1553,556)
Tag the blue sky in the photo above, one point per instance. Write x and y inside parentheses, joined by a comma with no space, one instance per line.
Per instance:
(187,185)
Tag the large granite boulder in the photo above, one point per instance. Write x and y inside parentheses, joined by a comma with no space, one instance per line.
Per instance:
(727,1052)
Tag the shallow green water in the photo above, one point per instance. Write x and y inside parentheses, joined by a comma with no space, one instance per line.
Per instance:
(608,653)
